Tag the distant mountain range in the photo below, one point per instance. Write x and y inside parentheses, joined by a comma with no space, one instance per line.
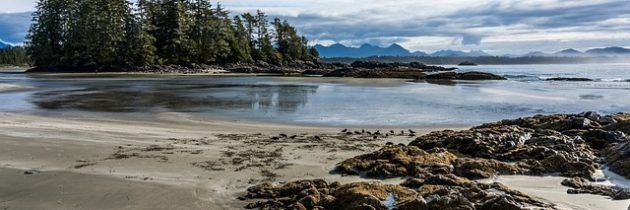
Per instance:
(395,50)
(367,50)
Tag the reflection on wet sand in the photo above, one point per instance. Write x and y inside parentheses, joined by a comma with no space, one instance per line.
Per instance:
(130,97)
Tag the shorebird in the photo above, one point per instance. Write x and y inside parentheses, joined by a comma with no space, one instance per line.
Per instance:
(375,137)
(348,133)
(318,138)
(362,131)
(411,131)
(357,132)
(293,137)
(389,144)
(275,138)
(283,135)
(391,131)
(344,130)
(369,133)
(378,132)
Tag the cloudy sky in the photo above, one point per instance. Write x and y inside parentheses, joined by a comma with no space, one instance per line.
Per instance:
(495,26)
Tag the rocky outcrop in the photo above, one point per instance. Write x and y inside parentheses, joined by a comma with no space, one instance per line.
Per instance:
(473,75)
(618,158)
(436,192)
(533,152)
(440,167)
(607,135)
(399,161)
(400,73)
(395,65)
(373,69)
(580,185)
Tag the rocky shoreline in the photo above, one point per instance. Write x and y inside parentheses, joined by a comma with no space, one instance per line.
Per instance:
(440,168)
(358,69)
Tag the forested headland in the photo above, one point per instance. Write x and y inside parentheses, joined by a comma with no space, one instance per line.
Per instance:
(115,34)
(13,56)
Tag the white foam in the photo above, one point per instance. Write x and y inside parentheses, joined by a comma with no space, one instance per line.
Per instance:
(390,202)
(614,179)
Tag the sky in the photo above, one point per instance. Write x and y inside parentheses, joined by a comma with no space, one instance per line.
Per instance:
(495,26)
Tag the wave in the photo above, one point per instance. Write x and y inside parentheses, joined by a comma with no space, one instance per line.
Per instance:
(525,77)
(614,80)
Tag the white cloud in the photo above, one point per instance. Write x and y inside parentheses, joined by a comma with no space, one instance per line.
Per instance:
(501,26)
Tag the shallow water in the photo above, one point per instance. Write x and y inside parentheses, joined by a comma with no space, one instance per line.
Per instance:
(334,102)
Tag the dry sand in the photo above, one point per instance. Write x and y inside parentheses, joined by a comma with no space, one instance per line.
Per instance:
(176,161)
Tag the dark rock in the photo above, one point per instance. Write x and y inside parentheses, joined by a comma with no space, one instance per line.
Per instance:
(442,76)
(441,192)
(618,158)
(398,161)
(534,151)
(580,185)
(473,75)
(467,63)
(400,73)
(572,79)
(31,172)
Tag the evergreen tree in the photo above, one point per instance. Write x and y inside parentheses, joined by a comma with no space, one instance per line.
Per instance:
(267,52)
(46,34)
(13,56)
(116,33)
(172,32)
(222,35)
(242,43)
(139,45)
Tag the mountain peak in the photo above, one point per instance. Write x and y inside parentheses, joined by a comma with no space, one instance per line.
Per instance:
(365,50)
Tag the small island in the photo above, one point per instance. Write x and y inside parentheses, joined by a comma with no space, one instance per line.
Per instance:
(467,63)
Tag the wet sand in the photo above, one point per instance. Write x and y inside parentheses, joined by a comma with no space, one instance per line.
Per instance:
(173,157)
(178,161)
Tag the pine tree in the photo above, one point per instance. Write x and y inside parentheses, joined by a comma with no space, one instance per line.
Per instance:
(46,35)
(222,35)
(241,44)
(139,45)
(267,52)
(89,34)
(172,33)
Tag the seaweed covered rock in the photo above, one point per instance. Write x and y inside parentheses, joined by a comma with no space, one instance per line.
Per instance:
(581,186)
(618,158)
(532,151)
(318,194)
(400,73)
(604,134)
(399,161)
(435,192)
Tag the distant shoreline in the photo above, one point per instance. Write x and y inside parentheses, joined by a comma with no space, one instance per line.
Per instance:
(484,60)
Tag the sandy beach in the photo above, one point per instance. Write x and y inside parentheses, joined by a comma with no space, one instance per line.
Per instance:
(124,163)
(174,160)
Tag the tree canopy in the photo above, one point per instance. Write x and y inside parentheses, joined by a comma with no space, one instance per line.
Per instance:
(97,33)
(15,56)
